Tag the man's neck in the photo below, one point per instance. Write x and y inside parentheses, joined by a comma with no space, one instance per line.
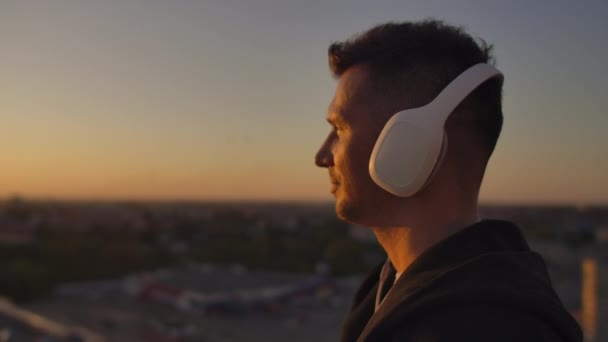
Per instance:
(405,242)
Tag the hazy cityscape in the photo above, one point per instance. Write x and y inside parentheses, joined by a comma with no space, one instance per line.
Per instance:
(193,271)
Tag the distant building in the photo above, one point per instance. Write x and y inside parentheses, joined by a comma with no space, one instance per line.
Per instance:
(14,232)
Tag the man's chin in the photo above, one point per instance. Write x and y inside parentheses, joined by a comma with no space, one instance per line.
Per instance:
(348,211)
(360,212)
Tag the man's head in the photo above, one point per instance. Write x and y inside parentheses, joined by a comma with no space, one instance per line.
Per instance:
(390,68)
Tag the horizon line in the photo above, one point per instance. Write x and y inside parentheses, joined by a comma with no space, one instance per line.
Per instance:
(167,200)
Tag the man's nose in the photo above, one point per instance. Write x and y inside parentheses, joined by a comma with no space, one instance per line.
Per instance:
(324,157)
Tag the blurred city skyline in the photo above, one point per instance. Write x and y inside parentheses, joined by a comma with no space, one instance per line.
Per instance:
(226,100)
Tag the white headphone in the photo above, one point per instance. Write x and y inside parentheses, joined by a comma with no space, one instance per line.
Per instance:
(413,141)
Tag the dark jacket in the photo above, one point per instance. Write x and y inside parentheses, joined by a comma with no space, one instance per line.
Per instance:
(480,284)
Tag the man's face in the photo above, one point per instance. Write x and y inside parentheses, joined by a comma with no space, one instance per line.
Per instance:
(356,123)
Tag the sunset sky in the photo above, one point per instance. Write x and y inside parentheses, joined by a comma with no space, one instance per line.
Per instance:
(224,99)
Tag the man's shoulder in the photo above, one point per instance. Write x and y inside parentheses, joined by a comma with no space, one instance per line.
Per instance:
(475,322)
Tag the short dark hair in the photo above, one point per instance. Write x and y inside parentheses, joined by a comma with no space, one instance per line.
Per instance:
(427,55)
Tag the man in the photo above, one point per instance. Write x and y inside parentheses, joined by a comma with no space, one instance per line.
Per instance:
(449,275)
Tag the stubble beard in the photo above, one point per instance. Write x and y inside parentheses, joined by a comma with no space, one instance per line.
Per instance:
(361,210)
(351,210)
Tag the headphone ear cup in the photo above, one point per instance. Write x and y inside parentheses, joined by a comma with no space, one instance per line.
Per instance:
(404,156)
(439,162)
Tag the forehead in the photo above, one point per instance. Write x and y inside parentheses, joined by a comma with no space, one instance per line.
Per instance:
(353,97)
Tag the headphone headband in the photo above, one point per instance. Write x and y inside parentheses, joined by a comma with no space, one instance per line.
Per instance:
(463,85)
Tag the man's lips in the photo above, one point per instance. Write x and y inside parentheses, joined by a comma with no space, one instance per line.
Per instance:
(334,182)
(334,187)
